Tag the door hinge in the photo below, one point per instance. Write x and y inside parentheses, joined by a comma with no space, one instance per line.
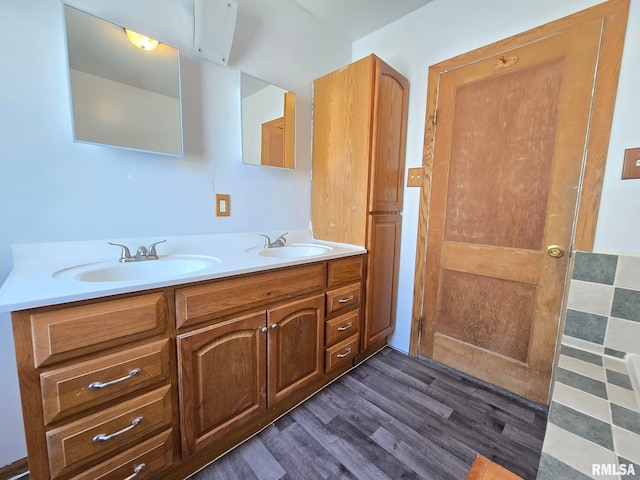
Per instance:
(435,116)
(420,321)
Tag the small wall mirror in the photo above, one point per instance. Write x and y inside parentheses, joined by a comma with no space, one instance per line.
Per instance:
(268,123)
(121,94)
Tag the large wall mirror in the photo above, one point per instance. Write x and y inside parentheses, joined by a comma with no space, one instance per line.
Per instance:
(122,95)
(268,123)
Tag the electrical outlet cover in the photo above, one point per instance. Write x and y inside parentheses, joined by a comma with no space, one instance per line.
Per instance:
(631,168)
(223,205)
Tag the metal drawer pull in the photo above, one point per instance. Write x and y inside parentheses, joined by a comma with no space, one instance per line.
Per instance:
(103,437)
(98,385)
(136,471)
(346,300)
(342,355)
(346,327)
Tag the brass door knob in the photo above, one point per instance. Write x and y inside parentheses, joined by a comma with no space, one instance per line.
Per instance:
(555,251)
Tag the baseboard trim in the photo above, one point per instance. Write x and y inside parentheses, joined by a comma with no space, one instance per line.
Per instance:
(15,469)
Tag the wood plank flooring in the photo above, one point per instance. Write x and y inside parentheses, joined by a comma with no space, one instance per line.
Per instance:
(393,417)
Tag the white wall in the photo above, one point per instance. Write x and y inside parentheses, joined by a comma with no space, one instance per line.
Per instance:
(54,190)
(443,29)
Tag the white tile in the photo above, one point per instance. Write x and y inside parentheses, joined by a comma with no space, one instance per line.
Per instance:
(615,364)
(627,444)
(590,297)
(583,345)
(622,396)
(582,401)
(575,451)
(623,335)
(628,272)
(587,369)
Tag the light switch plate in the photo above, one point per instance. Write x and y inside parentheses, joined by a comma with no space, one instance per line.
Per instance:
(223,205)
(415,177)
(631,168)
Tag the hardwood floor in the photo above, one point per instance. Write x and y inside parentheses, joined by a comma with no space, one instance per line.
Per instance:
(393,417)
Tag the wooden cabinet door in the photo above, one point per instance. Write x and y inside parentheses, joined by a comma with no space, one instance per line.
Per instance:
(388,139)
(342,110)
(382,277)
(221,379)
(296,346)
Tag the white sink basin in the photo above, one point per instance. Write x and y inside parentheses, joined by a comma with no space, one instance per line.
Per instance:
(294,250)
(167,266)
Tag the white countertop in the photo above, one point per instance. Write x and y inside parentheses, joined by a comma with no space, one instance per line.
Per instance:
(32,283)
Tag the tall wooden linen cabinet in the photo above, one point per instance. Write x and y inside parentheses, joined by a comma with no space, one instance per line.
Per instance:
(359,136)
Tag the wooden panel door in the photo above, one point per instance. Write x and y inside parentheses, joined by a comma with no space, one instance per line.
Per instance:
(382,278)
(509,147)
(222,379)
(295,348)
(391,100)
(272,149)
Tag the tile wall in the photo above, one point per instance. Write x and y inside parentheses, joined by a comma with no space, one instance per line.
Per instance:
(593,430)
(593,420)
(603,309)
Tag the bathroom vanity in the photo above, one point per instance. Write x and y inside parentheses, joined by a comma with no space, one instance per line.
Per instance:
(155,378)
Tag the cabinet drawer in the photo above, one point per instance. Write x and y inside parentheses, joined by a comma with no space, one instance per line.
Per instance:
(344,271)
(84,385)
(147,459)
(343,299)
(205,302)
(342,327)
(122,426)
(341,353)
(69,332)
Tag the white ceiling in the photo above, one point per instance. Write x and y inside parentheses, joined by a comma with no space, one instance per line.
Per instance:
(354,19)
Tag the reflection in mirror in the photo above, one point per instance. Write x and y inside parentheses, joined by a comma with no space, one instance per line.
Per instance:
(122,95)
(268,123)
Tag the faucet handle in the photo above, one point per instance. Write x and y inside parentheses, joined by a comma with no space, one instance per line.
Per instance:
(267,242)
(281,241)
(152,255)
(125,255)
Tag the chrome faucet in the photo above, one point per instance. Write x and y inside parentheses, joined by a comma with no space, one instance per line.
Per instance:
(281,241)
(141,255)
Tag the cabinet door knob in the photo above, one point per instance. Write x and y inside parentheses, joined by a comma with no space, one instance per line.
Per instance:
(274,326)
(263,329)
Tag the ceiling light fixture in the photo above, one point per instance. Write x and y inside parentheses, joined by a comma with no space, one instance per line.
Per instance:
(141,41)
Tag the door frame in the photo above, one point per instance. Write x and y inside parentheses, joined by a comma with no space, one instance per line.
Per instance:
(614,15)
